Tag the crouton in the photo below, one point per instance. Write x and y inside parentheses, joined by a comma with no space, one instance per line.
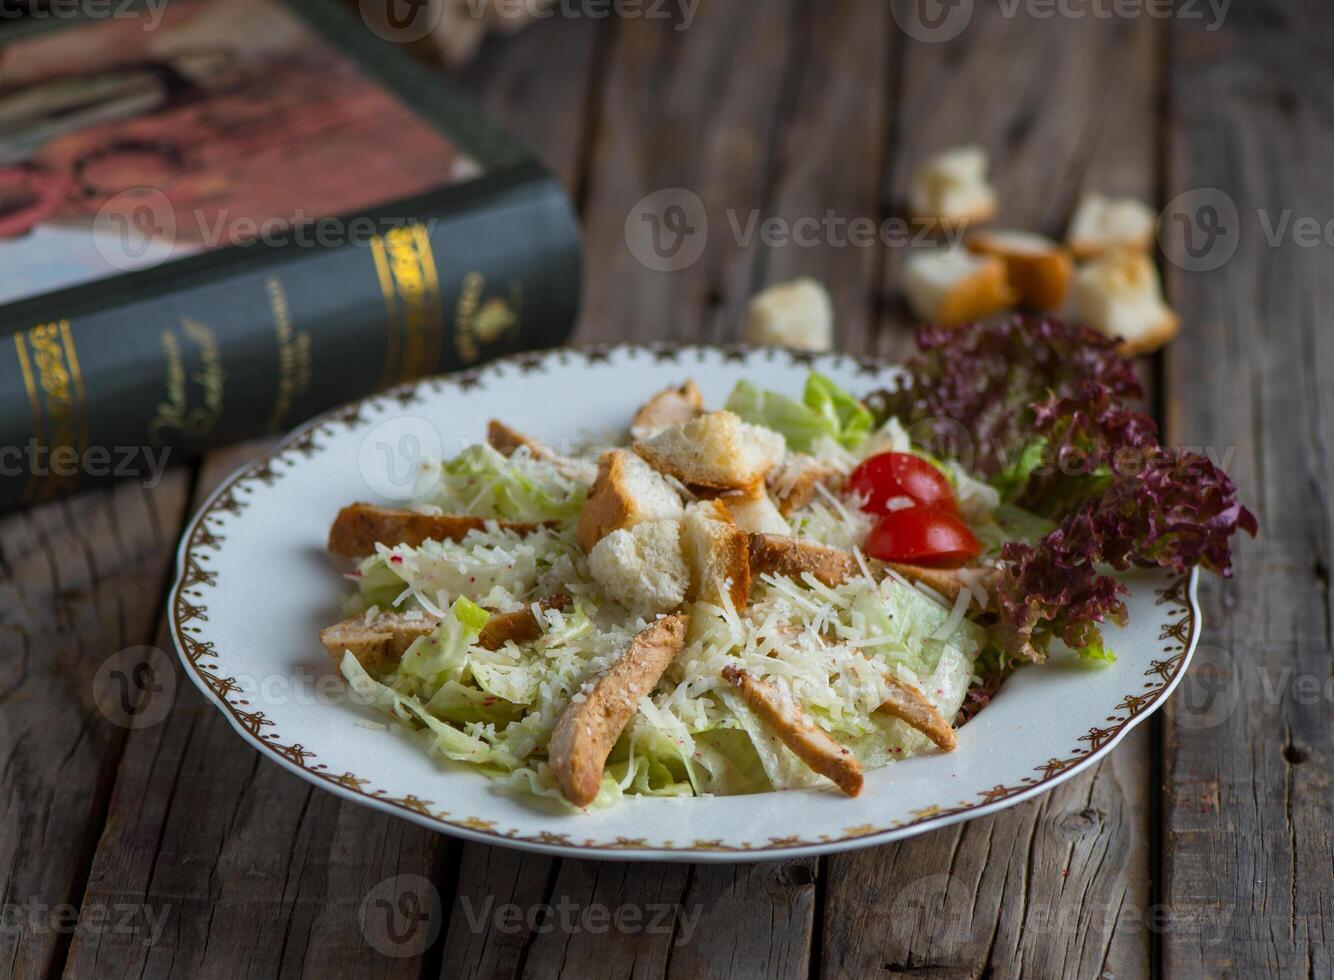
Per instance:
(716,553)
(358,528)
(520,626)
(642,567)
(909,705)
(378,642)
(950,189)
(951,287)
(795,314)
(812,744)
(716,451)
(669,407)
(791,558)
(751,509)
(792,484)
(1038,269)
(594,719)
(627,491)
(1120,295)
(1103,224)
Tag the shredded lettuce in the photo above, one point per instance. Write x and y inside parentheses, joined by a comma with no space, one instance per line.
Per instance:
(495,568)
(447,740)
(482,482)
(829,648)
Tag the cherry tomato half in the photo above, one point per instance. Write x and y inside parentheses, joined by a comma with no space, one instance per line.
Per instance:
(885,476)
(922,536)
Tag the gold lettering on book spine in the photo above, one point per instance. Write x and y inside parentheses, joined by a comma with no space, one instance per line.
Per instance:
(175,413)
(294,360)
(482,321)
(414,312)
(49,363)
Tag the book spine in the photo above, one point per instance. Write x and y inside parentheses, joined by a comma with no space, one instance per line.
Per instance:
(159,366)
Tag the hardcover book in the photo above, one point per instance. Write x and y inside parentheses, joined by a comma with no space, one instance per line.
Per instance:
(219,217)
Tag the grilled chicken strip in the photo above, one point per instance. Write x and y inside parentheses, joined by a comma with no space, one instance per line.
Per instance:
(812,744)
(832,566)
(790,557)
(590,725)
(380,643)
(949,582)
(909,705)
(359,527)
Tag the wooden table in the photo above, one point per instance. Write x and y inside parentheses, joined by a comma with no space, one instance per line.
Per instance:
(1191,851)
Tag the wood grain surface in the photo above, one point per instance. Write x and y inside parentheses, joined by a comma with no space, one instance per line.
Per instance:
(1201,847)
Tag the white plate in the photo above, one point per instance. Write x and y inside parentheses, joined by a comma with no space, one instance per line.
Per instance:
(255,586)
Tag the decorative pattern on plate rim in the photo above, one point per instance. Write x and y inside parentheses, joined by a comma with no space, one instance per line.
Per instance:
(205,534)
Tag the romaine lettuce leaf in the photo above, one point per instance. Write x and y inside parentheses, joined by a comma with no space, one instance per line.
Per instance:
(824,411)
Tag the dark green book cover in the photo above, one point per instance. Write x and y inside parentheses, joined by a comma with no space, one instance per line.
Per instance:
(219,217)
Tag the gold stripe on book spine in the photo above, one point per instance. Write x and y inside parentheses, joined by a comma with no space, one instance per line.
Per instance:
(26,368)
(410,285)
(73,357)
(57,396)
(391,327)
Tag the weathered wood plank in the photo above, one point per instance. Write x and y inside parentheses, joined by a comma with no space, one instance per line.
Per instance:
(693,110)
(1061,882)
(486,938)
(616,926)
(1049,886)
(80,579)
(750,920)
(537,83)
(1248,806)
(828,166)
